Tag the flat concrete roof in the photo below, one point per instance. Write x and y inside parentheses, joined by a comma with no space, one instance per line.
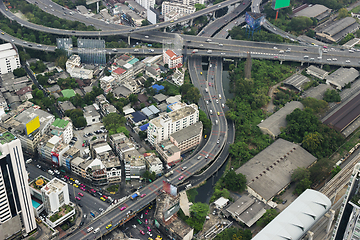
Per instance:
(188,132)
(270,170)
(317,92)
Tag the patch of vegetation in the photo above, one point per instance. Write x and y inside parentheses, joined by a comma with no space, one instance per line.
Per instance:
(268,216)
(19,72)
(234,234)
(239,33)
(245,109)
(113,188)
(283,96)
(191,194)
(198,212)
(205,121)
(38,67)
(77,117)
(332,96)
(301,176)
(115,123)
(317,138)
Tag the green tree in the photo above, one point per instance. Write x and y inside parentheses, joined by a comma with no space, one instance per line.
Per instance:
(343,13)
(302,186)
(332,96)
(19,72)
(39,94)
(115,123)
(205,121)
(335,171)
(318,106)
(300,23)
(199,6)
(234,182)
(300,173)
(312,141)
(268,216)
(133,98)
(234,233)
(145,22)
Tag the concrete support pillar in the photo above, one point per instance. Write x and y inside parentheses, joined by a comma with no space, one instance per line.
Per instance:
(281,62)
(129,40)
(164,29)
(321,66)
(97,7)
(331,216)
(302,63)
(311,235)
(191,22)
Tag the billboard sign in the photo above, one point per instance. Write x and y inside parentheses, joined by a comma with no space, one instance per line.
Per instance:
(55,158)
(32,125)
(278,4)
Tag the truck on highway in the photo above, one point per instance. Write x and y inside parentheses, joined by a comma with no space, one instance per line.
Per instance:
(169,174)
(195,51)
(135,195)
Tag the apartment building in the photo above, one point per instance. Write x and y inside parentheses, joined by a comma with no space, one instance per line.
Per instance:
(162,127)
(188,138)
(63,129)
(9,58)
(167,7)
(55,194)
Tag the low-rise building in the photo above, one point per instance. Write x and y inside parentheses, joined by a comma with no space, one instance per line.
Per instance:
(65,106)
(91,115)
(188,138)
(135,165)
(172,59)
(93,170)
(73,67)
(63,129)
(273,124)
(170,153)
(341,77)
(154,164)
(121,92)
(51,149)
(69,155)
(316,72)
(167,7)
(337,30)
(10,59)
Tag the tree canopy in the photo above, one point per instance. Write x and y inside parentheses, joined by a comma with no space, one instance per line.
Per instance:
(115,123)
(234,234)
(234,182)
(332,96)
(19,72)
(77,117)
(268,216)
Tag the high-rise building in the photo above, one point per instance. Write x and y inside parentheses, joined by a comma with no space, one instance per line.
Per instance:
(16,210)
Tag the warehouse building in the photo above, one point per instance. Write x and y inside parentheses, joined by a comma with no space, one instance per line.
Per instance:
(341,77)
(337,30)
(269,172)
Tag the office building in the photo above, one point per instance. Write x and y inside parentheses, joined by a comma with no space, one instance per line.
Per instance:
(16,211)
(55,194)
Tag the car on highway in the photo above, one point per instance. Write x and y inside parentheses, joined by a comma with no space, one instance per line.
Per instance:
(139,221)
(218,141)
(80,194)
(75,185)
(94,191)
(108,226)
(78,198)
(104,196)
(276,57)
(172,21)
(183,168)
(92,214)
(146,221)
(222,53)
(329,59)
(334,59)
(90,229)
(2,33)
(217,101)
(142,232)
(122,208)
(148,228)
(181,177)
(103,199)
(143,195)
(347,61)
(218,113)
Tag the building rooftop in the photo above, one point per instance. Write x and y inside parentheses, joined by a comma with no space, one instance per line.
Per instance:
(188,132)
(111,162)
(152,159)
(66,105)
(338,26)
(175,115)
(30,113)
(297,218)
(134,158)
(273,124)
(122,91)
(5,136)
(313,11)
(296,81)
(91,111)
(317,70)
(54,88)
(270,170)
(138,116)
(77,161)
(247,209)
(160,97)
(168,147)
(342,76)
(54,185)
(60,123)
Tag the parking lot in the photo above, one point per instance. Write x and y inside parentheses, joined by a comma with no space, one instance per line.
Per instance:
(79,134)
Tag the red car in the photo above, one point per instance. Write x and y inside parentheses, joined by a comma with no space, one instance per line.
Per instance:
(181,177)
(148,228)
(143,195)
(276,57)
(142,232)
(80,194)
(77,198)
(123,208)
(105,197)
(93,190)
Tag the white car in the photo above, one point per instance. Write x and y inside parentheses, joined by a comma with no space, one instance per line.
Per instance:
(334,59)
(222,53)
(217,101)
(329,59)
(218,141)
(347,61)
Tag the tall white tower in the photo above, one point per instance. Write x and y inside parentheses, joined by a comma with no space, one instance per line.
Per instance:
(16,210)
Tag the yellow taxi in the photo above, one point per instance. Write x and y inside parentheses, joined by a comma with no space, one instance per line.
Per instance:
(75,185)
(2,33)
(103,199)
(218,114)
(172,21)
(71,179)
(200,73)
(108,226)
